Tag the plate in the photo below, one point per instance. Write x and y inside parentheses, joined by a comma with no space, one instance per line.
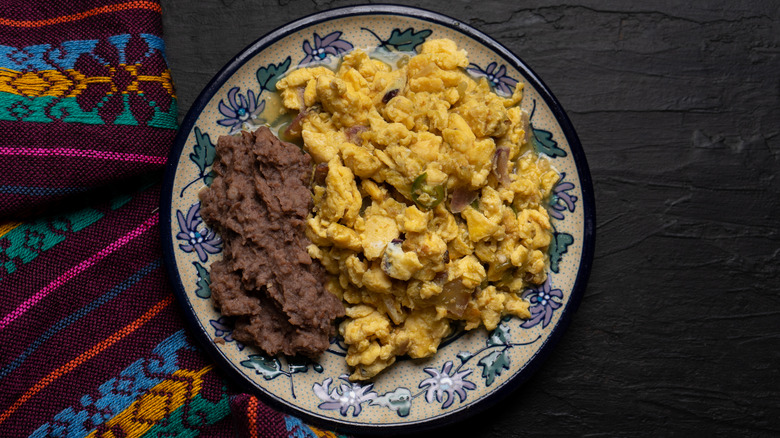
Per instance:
(472,370)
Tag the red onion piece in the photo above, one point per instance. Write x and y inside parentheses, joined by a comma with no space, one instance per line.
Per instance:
(295,128)
(454,297)
(461,198)
(501,165)
(353,134)
(525,119)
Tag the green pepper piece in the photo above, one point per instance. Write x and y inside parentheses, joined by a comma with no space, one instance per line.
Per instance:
(426,195)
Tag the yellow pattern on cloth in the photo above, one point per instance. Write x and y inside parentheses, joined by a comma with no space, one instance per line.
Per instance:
(55,83)
(158,403)
(7,227)
(323,433)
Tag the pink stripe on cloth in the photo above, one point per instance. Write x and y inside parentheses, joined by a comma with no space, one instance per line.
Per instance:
(83,153)
(81,267)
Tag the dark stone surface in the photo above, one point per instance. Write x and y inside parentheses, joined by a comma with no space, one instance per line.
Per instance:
(677,104)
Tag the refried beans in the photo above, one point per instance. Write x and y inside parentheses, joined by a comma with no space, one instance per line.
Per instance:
(259,201)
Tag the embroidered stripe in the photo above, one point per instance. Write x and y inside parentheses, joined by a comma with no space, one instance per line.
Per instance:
(63,152)
(71,83)
(63,56)
(321,433)
(83,357)
(47,109)
(116,394)
(8,227)
(73,317)
(81,267)
(156,404)
(26,242)
(297,428)
(198,413)
(252,417)
(152,6)
(40,191)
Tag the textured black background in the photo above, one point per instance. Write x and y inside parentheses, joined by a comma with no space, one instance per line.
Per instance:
(677,105)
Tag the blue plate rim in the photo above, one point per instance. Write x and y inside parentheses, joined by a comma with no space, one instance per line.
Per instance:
(588,205)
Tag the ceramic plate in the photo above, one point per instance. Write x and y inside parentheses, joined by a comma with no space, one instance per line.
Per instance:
(472,370)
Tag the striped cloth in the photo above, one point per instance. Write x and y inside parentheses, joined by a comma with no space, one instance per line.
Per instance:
(91,340)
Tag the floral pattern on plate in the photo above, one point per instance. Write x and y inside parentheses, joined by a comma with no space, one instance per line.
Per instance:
(496,76)
(439,386)
(240,112)
(198,238)
(322,48)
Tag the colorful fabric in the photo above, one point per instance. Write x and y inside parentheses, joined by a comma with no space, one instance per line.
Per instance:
(86,98)
(92,341)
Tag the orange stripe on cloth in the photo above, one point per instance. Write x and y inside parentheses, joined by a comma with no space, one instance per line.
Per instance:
(152,6)
(252,417)
(155,405)
(85,356)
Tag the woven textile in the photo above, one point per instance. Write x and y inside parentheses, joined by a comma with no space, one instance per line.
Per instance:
(92,342)
(85,98)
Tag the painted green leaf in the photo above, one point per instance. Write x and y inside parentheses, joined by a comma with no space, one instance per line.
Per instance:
(268,76)
(399,401)
(464,356)
(268,368)
(298,365)
(298,368)
(208,178)
(499,335)
(203,154)
(204,281)
(407,40)
(493,364)
(317,367)
(558,247)
(544,143)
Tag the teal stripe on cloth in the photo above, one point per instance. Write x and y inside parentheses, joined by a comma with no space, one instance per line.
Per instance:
(198,413)
(47,109)
(73,317)
(40,191)
(26,242)
(118,393)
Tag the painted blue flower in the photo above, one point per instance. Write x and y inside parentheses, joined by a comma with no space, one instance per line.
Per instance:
(331,44)
(560,200)
(241,110)
(199,239)
(223,328)
(502,83)
(442,384)
(347,395)
(544,301)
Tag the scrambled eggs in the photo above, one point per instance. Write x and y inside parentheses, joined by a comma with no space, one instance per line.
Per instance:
(428,200)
